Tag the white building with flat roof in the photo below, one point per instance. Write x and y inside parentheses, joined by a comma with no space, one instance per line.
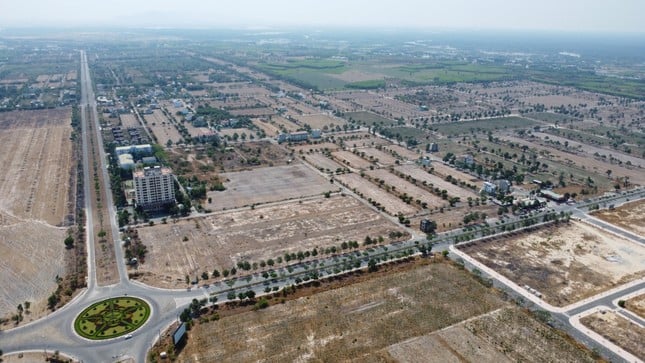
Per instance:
(154,187)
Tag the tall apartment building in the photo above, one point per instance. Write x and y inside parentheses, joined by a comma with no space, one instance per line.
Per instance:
(153,187)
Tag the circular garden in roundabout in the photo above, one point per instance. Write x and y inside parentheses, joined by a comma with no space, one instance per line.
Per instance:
(111,318)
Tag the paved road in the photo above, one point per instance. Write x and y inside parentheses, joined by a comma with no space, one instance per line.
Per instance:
(55,332)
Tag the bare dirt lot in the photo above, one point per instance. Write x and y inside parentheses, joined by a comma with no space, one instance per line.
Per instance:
(162,128)
(504,335)
(349,159)
(382,158)
(371,192)
(565,263)
(436,182)
(346,324)
(618,330)
(405,187)
(36,158)
(630,216)
(321,121)
(264,185)
(446,170)
(637,305)
(223,239)
(129,120)
(320,161)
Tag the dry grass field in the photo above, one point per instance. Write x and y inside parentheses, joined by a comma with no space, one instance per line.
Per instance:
(446,170)
(351,323)
(618,330)
(421,175)
(565,263)
(630,216)
(637,305)
(269,129)
(221,240)
(321,120)
(349,159)
(320,161)
(404,152)
(162,128)
(382,158)
(405,187)
(265,185)
(503,335)
(370,191)
(36,158)
(129,120)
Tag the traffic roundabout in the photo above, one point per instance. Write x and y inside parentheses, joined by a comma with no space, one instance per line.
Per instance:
(112,318)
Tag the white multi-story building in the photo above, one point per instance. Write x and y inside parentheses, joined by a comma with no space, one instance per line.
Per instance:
(154,187)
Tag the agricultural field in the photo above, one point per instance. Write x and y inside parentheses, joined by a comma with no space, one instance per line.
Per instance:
(36,157)
(349,323)
(630,216)
(370,192)
(618,330)
(162,128)
(436,182)
(504,335)
(220,240)
(565,263)
(265,185)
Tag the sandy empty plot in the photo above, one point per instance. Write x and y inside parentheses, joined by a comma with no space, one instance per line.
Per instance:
(504,335)
(321,120)
(637,305)
(284,123)
(436,182)
(351,323)
(269,129)
(129,120)
(260,111)
(36,159)
(404,152)
(446,170)
(371,192)
(223,239)
(630,216)
(265,185)
(32,258)
(382,158)
(349,159)
(556,100)
(320,161)
(238,131)
(162,128)
(618,330)
(404,186)
(566,263)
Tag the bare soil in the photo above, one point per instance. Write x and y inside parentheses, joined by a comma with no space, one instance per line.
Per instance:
(349,323)
(264,185)
(370,192)
(162,128)
(221,240)
(503,335)
(618,330)
(36,204)
(565,263)
(636,305)
(435,181)
(630,216)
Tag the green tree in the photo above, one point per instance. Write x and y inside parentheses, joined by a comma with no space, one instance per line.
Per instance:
(371,265)
(69,242)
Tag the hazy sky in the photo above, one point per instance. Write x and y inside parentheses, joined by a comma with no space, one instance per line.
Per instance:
(569,15)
